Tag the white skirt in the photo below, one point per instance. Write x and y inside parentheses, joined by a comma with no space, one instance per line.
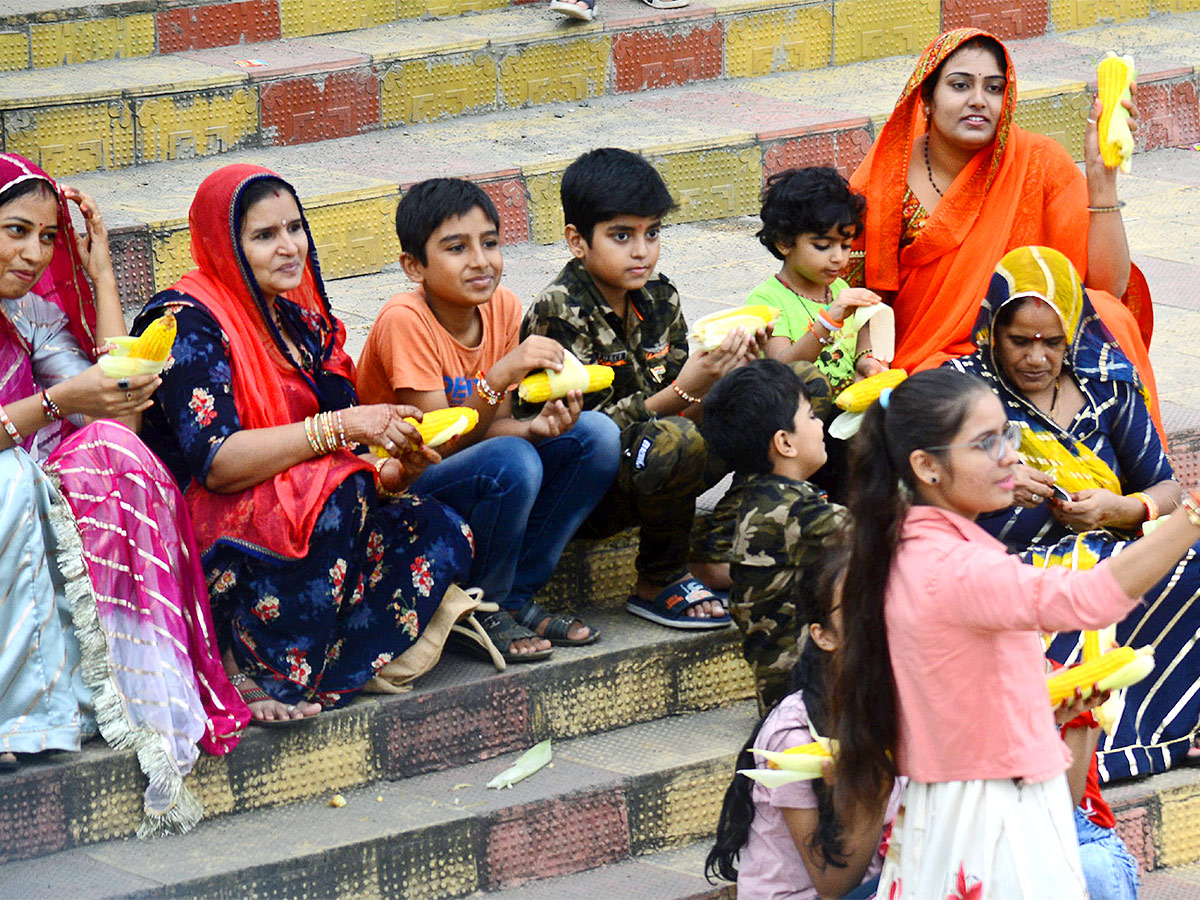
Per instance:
(984,840)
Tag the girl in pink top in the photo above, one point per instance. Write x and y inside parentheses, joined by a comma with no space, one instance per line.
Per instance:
(790,842)
(942,677)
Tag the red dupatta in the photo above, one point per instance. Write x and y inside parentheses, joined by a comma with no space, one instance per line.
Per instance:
(277,515)
(63,283)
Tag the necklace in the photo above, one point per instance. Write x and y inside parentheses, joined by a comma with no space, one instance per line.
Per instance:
(1054,399)
(826,298)
(929,169)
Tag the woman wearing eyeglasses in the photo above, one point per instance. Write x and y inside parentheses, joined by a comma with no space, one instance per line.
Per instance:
(942,677)
(1093,472)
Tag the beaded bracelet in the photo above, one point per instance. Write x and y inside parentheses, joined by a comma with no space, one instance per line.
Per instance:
(684,395)
(1147,501)
(50,408)
(491,396)
(823,341)
(341,427)
(9,427)
(1117,207)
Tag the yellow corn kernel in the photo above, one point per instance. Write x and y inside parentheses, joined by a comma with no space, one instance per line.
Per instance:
(1091,645)
(1109,672)
(535,388)
(862,394)
(156,341)
(1114,76)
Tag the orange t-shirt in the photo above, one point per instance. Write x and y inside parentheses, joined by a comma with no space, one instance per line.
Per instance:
(408,348)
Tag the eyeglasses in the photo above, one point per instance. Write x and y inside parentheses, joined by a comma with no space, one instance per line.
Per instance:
(994,445)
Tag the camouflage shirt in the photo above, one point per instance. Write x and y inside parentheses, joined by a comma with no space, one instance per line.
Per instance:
(781,527)
(646,350)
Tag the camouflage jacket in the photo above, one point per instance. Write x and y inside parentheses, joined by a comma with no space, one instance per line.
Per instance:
(646,350)
(780,529)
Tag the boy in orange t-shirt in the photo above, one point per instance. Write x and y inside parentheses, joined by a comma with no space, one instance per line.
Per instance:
(524,486)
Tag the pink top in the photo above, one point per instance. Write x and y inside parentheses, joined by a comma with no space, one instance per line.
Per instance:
(770,866)
(963,617)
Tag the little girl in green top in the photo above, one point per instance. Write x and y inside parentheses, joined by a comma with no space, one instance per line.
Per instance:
(810,217)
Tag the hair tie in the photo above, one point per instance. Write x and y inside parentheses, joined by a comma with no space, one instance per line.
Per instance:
(885,397)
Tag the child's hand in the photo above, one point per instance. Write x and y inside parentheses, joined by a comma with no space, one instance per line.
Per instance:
(756,347)
(556,417)
(702,370)
(1076,706)
(849,300)
(868,366)
(532,355)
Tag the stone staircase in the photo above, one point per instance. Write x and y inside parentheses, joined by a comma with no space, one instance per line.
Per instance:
(135,101)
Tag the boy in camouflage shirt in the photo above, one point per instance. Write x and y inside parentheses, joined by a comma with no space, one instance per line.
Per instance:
(763,417)
(605,308)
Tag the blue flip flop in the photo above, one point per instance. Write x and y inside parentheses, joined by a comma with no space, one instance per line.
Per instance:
(670,606)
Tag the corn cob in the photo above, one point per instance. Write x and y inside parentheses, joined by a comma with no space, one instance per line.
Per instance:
(439,426)
(536,388)
(144,355)
(1109,672)
(1098,642)
(1114,75)
(862,394)
(709,331)
(794,764)
(156,341)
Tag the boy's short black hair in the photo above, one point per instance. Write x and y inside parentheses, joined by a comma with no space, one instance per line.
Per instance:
(745,408)
(808,201)
(609,182)
(430,203)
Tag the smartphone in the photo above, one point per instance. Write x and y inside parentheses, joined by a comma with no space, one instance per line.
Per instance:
(1060,493)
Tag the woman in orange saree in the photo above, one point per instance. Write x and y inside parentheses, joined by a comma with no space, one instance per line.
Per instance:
(952,184)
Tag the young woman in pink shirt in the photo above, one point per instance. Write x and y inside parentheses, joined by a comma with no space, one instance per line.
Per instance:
(942,677)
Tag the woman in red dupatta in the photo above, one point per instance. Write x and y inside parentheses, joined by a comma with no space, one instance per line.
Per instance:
(952,184)
(319,577)
(92,522)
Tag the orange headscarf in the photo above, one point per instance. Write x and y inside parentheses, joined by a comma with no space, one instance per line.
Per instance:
(1022,189)
(278,514)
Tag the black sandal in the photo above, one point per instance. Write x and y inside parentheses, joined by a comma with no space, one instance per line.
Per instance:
(558,628)
(501,629)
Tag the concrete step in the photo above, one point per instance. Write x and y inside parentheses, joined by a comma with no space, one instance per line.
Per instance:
(634,790)
(116,113)
(666,875)
(458,714)
(714,143)
(1159,820)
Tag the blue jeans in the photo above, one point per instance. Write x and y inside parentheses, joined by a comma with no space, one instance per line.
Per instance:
(524,501)
(1109,869)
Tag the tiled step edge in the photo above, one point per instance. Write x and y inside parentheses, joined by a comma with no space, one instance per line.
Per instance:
(1159,818)
(637,790)
(461,712)
(38,35)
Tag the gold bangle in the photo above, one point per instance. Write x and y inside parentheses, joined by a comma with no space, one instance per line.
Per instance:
(1117,207)
(684,395)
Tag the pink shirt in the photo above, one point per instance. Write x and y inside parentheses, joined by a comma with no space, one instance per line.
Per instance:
(962,618)
(770,866)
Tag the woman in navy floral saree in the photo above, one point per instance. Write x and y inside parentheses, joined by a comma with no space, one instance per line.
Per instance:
(1086,429)
(320,573)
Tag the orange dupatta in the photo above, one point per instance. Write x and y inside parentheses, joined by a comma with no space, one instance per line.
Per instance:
(1024,189)
(277,515)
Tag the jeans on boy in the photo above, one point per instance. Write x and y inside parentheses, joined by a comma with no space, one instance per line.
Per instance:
(525,501)
(1110,870)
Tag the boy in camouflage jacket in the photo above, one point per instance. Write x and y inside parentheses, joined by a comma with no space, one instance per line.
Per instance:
(605,308)
(764,418)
